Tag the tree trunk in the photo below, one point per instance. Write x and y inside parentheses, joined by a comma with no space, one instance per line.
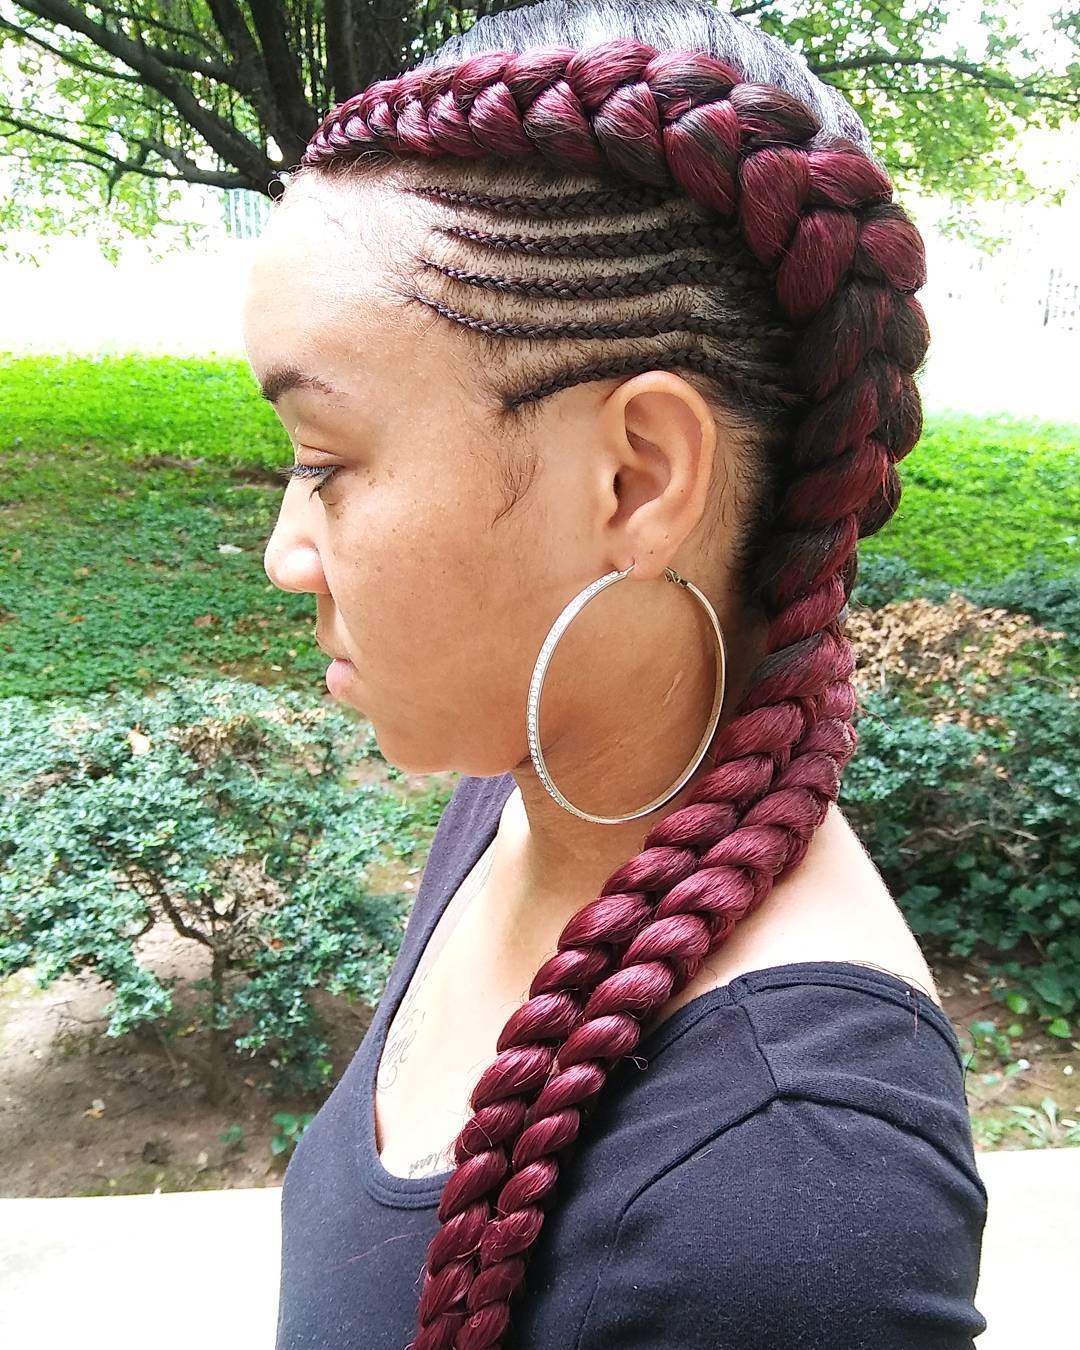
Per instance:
(216,1077)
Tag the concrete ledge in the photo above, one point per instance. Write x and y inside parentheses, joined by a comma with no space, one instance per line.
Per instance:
(196,1270)
(200,1269)
(1031,1249)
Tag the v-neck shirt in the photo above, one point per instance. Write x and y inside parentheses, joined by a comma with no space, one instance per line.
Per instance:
(785,1161)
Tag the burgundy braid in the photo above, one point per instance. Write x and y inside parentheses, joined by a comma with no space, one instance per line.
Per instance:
(844,262)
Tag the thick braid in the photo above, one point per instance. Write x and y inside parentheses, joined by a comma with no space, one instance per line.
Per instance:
(843,261)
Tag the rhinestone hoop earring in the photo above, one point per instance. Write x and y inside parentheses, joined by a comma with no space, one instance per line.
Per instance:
(543,660)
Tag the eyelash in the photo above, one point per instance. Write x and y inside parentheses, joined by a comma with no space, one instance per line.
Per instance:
(320,473)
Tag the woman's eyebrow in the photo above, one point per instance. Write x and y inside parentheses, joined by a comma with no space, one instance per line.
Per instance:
(278,380)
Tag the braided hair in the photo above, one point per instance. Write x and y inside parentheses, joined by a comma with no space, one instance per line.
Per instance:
(727,219)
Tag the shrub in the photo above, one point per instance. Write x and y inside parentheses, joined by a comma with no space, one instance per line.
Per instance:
(881,579)
(1052,600)
(223,810)
(976,827)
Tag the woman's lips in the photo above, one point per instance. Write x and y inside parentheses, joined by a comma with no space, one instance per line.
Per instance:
(338,675)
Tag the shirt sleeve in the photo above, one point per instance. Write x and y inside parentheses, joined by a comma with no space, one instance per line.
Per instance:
(807,1225)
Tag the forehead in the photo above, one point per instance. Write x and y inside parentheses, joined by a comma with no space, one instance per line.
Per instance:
(327,287)
(310,270)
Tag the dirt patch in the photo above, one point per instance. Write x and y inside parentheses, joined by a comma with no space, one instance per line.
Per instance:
(83,1113)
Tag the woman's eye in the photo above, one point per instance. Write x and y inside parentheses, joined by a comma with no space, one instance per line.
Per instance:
(318,473)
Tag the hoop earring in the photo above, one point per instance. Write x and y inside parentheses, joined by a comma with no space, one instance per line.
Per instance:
(536,685)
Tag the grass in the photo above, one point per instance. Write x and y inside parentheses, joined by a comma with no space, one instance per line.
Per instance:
(124,477)
(980,495)
(139,406)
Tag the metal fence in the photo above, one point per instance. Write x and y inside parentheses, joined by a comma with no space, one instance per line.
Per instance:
(244,212)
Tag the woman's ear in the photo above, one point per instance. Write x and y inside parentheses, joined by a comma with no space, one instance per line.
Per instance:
(659,438)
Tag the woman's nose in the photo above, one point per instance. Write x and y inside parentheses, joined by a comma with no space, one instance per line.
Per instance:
(293,564)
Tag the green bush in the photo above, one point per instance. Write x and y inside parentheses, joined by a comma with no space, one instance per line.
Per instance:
(977,830)
(1054,601)
(223,810)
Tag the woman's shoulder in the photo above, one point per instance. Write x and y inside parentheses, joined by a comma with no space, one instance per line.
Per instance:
(808,1223)
(786,1161)
(829,1031)
(848,1021)
(789,1157)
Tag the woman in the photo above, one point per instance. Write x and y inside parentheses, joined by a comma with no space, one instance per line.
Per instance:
(594,336)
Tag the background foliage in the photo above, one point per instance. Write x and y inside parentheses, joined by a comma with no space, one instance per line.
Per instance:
(966,784)
(978,831)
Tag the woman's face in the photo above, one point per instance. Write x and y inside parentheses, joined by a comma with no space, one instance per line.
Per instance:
(418,595)
(432,605)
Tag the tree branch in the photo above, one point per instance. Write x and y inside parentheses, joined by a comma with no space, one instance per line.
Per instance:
(232,25)
(189,170)
(284,76)
(340,69)
(35,162)
(197,65)
(392,50)
(206,177)
(69,57)
(194,65)
(149,21)
(174,915)
(990,79)
(219,134)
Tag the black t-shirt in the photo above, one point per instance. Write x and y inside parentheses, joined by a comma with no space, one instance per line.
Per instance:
(785,1162)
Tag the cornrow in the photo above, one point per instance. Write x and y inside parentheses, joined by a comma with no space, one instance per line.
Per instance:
(627,244)
(691,357)
(680,272)
(646,326)
(557,207)
(842,263)
(757,394)
(723,297)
